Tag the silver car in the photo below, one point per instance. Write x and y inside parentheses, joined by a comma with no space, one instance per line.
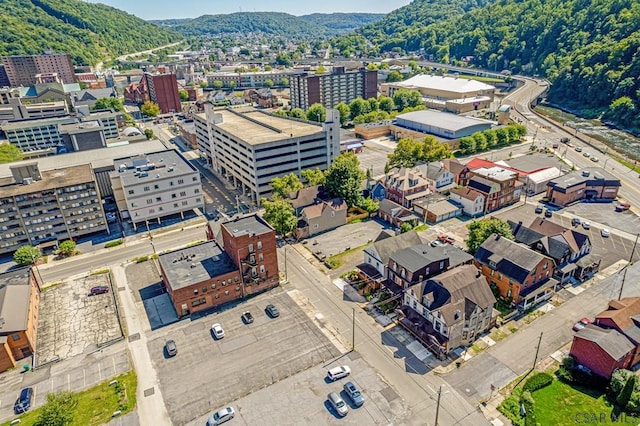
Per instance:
(338,404)
(221,416)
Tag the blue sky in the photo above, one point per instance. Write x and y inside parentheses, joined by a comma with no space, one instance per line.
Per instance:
(165,9)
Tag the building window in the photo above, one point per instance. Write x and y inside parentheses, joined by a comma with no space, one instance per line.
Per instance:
(226,292)
(236,278)
(259,245)
(213,286)
(180,181)
(174,196)
(183,194)
(262,269)
(149,201)
(229,281)
(197,191)
(158,198)
(131,192)
(195,179)
(204,289)
(175,205)
(217,296)
(15,336)
(260,257)
(198,302)
(156,186)
(145,189)
(250,248)
(237,288)
(195,291)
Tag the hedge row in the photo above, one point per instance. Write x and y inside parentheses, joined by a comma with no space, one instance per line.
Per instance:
(537,381)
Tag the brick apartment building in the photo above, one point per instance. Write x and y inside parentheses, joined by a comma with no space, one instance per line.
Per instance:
(159,88)
(21,70)
(19,299)
(241,262)
(330,89)
(499,186)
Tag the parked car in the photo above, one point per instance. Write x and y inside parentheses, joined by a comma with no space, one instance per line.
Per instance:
(338,404)
(586,154)
(221,416)
(595,159)
(247,318)
(217,331)
(446,239)
(272,311)
(23,403)
(354,394)
(564,140)
(575,221)
(581,324)
(99,289)
(605,232)
(623,207)
(548,213)
(586,225)
(436,243)
(578,149)
(538,209)
(172,349)
(338,372)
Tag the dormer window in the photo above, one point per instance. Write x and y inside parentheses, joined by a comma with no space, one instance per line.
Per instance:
(492,264)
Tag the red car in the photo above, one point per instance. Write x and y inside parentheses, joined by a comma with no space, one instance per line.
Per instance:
(100,289)
(581,324)
(446,239)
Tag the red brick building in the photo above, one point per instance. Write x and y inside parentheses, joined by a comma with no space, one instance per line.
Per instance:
(19,300)
(240,262)
(159,88)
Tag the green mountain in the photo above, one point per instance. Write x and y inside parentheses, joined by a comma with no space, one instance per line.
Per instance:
(89,32)
(588,49)
(271,23)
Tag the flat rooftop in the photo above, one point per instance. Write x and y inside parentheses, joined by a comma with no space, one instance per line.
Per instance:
(98,158)
(56,178)
(251,225)
(195,264)
(449,84)
(149,167)
(442,120)
(36,122)
(256,127)
(496,173)
(15,292)
(80,127)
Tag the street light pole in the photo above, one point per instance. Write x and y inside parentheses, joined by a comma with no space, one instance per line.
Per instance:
(438,405)
(353,330)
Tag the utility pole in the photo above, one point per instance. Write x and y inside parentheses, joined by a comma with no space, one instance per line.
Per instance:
(624,277)
(286,276)
(438,405)
(353,330)
(535,360)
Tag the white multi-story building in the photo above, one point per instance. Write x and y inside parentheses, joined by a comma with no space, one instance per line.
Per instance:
(250,147)
(247,80)
(153,186)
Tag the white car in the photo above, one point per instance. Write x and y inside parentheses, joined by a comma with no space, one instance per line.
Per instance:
(217,331)
(578,149)
(605,232)
(586,225)
(586,154)
(338,372)
(221,416)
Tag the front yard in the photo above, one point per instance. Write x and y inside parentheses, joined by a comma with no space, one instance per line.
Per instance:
(564,404)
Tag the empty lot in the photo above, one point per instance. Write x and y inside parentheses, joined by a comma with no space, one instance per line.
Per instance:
(207,373)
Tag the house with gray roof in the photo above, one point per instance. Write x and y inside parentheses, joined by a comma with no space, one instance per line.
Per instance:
(393,213)
(520,275)
(376,256)
(602,351)
(449,310)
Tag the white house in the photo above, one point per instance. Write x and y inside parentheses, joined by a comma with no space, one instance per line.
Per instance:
(472,201)
(439,178)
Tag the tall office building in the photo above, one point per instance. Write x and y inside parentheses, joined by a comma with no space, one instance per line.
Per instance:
(332,88)
(22,69)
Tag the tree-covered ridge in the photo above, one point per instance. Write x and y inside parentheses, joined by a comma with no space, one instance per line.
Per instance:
(89,32)
(343,22)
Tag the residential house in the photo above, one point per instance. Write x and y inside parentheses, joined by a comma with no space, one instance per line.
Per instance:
(321,217)
(415,264)
(19,300)
(263,97)
(449,310)
(565,246)
(376,256)
(393,213)
(439,177)
(405,185)
(471,200)
(508,190)
(461,173)
(515,271)
(433,210)
(306,197)
(612,341)
(588,184)
(378,192)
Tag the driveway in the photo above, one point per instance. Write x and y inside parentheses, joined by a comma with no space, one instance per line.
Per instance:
(207,373)
(147,288)
(72,321)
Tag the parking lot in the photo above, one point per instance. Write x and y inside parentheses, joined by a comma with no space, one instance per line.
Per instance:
(348,236)
(146,284)
(208,373)
(72,321)
(302,400)
(610,249)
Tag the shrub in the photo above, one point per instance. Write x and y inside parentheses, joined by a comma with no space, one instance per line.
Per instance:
(618,380)
(625,395)
(526,397)
(141,259)
(634,403)
(114,243)
(537,381)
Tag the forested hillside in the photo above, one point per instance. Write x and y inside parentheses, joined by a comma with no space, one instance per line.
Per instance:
(588,49)
(89,32)
(342,22)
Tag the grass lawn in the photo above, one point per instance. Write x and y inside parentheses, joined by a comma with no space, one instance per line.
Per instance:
(560,403)
(96,405)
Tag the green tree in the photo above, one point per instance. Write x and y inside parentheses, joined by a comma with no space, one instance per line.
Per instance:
(268,67)
(59,409)
(108,103)
(618,380)
(491,138)
(344,178)
(404,98)
(373,104)
(345,112)
(217,84)
(149,134)
(67,248)
(409,151)
(26,255)
(313,177)
(467,145)
(480,230)
(320,69)
(385,103)
(369,205)
(405,227)
(622,110)
(297,113)
(625,395)
(10,153)
(317,112)
(232,84)
(481,141)
(286,184)
(394,76)
(184,95)
(284,81)
(204,84)
(283,59)
(358,107)
(502,136)
(280,214)
(150,109)
(268,83)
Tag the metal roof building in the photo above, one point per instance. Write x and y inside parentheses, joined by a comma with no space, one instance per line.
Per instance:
(443,124)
